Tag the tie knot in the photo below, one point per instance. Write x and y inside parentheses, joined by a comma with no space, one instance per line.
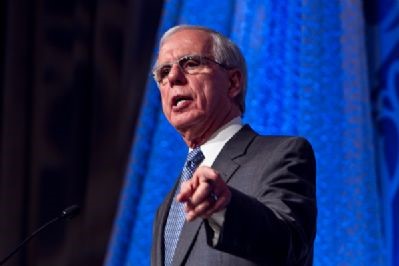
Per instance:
(194,158)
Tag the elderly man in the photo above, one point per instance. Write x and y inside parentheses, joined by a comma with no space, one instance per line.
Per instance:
(242,198)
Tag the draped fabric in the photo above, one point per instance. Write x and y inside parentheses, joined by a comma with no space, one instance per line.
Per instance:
(383,40)
(70,96)
(307,76)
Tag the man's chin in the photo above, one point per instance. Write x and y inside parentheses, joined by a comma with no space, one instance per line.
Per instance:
(184,121)
(183,125)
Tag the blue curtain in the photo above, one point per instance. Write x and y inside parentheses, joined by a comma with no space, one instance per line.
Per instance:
(307,76)
(382,19)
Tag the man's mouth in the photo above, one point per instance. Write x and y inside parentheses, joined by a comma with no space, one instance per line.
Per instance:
(180,101)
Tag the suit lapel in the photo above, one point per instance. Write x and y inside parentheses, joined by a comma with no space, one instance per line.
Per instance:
(227,161)
(186,239)
(162,217)
(226,165)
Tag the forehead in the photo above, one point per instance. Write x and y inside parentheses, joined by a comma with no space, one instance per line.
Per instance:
(185,42)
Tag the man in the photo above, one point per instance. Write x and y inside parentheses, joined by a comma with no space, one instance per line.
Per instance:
(252,199)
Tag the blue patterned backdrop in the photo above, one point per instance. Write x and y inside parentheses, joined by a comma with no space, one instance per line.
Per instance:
(307,63)
(382,18)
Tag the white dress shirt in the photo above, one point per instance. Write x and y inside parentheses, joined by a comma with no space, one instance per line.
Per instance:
(211,150)
(214,145)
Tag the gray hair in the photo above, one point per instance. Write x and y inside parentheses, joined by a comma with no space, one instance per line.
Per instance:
(224,51)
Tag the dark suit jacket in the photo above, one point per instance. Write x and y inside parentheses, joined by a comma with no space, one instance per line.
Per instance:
(271,218)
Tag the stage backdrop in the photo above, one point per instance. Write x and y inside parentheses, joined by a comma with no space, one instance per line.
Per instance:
(307,76)
(382,19)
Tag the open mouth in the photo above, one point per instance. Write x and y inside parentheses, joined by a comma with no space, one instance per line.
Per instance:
(180,100)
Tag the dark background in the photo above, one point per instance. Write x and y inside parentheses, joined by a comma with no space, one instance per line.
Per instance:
(72,78)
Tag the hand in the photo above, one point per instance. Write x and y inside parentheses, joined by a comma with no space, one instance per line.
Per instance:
(204,194)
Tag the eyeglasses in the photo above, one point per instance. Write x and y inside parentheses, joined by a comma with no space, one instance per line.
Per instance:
(189,64)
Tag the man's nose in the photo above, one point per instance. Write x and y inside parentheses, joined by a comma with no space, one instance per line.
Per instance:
(176,75)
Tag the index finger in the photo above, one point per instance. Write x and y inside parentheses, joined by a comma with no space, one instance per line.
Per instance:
(186,191)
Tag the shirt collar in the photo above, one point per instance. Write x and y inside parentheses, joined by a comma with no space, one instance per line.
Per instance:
(212,147)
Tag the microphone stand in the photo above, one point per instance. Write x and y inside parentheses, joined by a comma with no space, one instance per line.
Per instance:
(69,212)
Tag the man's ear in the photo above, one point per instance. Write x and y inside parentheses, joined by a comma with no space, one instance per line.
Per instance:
(235,78)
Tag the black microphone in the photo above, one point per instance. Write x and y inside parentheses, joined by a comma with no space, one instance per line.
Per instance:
(68,213)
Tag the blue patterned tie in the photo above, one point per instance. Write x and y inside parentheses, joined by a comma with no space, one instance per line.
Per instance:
(176,216)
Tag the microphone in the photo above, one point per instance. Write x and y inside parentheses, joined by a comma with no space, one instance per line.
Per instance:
(68,213)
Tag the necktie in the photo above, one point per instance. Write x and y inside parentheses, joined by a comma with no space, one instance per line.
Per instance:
(175,220)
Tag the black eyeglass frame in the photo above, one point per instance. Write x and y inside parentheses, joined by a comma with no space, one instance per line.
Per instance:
(180,62)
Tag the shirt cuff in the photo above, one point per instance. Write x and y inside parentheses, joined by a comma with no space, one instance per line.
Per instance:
(216,221)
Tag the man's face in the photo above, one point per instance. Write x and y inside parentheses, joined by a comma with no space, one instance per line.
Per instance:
(195,102)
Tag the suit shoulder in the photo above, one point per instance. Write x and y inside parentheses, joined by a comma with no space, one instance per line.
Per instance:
(278,140)
(252,142)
